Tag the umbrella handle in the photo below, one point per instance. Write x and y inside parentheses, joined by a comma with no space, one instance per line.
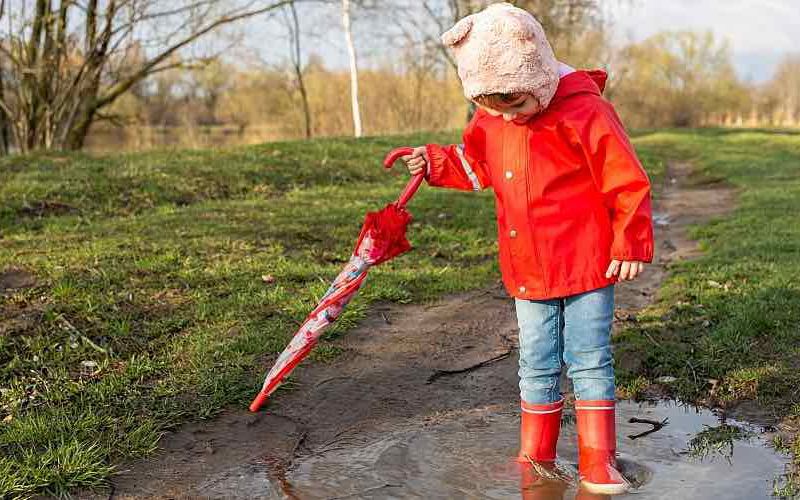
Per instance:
(413,184)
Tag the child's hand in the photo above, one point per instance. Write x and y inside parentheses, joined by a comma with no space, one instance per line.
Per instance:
(625,270)
(417,162)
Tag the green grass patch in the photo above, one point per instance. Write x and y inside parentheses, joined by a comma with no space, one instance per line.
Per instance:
(727,324)
(732,315)
(150,308)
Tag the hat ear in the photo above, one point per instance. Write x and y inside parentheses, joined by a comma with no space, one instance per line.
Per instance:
(518,25)
(456,34)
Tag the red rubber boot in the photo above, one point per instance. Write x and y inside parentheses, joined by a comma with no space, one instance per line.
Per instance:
(539,431)
(597,445)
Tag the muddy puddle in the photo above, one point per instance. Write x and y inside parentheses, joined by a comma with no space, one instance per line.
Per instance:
(468,454)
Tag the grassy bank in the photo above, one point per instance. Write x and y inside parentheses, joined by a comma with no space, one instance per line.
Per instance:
(150,306)
(727,325)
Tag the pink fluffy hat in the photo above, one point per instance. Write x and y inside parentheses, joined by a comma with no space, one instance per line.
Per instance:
(503,50)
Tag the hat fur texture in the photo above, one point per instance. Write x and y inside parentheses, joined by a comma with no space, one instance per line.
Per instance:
(503,50)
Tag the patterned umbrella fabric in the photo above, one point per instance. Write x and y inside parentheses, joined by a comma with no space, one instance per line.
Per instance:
(382,237)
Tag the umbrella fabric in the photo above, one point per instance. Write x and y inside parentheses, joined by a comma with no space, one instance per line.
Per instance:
(382,237)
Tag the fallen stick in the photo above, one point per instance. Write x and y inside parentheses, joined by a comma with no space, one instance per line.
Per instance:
(441,373)
(657,426)
(369,490)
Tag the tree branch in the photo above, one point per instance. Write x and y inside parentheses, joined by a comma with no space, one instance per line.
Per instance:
(91,26)
(121,87)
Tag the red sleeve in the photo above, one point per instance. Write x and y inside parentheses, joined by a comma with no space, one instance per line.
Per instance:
(460,166)
(623,182)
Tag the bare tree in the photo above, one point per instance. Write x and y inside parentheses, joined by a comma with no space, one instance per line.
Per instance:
(293,23)
(65,61)
(444,14)
(784,91)
(4,118)
(564,22)
(351,51)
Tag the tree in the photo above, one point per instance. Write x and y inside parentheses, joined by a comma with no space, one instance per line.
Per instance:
(782,93)
(293,23)
(351,51)
(66,61)
(573,27)
(5,125)
(678,79)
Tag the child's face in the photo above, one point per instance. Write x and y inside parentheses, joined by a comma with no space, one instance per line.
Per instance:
(519,111)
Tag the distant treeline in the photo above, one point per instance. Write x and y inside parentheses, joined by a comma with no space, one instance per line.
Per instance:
(133,75)
(675,79)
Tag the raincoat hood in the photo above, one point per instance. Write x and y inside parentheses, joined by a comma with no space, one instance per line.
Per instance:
(580,82)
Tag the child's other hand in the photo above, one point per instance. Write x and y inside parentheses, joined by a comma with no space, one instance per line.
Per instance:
(417,161)
(625,270)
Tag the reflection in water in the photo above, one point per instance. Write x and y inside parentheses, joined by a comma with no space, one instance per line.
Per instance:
(471,454)
(718,440)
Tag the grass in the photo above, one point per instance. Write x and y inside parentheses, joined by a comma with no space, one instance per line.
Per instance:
(732,315)
(150,308)
(728,323)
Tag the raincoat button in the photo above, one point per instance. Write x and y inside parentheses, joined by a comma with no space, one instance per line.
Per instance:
(522,289)
(513,233)
(509,174)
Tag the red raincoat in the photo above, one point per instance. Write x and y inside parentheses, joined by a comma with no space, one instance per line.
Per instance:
(570,192)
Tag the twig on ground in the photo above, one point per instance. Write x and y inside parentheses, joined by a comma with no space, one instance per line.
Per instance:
(441,373)
(657,426)
(69,326)
(651,339)
(368,490)
(298,444)
(329,379)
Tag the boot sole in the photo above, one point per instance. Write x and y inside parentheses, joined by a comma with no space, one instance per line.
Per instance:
(605,489)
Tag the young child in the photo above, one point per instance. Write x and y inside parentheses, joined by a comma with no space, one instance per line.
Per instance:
(573,217)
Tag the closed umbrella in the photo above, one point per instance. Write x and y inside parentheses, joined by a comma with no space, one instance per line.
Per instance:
(382,237)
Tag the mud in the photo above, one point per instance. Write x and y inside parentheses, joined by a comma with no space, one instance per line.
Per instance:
(422,404)
(16,279)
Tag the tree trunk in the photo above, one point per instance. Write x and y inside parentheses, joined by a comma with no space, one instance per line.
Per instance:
(306,108)
(298,70)
(351,50)
(5,147)
(76,136)
(51,90)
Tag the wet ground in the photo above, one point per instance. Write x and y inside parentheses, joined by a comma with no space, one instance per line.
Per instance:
(467,455)
(423,404)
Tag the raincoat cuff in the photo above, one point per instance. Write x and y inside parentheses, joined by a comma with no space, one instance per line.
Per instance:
(643,253)
(436,165)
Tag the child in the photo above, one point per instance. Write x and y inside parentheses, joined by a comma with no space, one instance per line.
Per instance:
(573,216)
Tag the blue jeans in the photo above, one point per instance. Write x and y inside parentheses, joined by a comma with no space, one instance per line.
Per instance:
(575,329)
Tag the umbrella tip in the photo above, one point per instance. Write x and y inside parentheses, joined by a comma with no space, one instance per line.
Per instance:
(258,402)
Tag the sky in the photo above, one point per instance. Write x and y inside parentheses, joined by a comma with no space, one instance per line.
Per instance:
(760,32)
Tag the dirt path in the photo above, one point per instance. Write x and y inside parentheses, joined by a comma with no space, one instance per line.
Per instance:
(395,369)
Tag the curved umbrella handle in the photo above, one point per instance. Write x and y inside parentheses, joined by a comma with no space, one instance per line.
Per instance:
(413,184)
